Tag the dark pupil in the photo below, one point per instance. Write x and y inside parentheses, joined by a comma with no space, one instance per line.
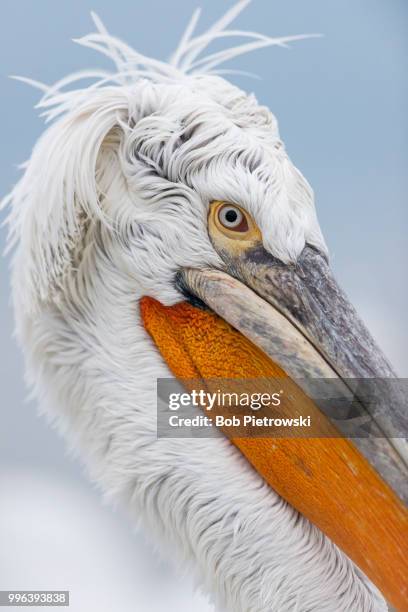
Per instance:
(231,216)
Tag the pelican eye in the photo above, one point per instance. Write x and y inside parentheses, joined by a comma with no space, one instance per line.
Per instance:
(232,218)
(232,221)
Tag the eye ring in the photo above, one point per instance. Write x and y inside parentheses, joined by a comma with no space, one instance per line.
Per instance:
(230,222)
(232,218)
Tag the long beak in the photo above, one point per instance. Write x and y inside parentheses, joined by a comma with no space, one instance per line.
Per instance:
(260,319)
(302,319)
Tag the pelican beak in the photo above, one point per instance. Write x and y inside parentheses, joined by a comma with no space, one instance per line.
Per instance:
(265,317)
(300,317)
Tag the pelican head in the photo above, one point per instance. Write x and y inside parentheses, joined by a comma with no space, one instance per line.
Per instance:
(165,180)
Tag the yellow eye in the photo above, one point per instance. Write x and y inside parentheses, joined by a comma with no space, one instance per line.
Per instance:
(231,217)
(232,222)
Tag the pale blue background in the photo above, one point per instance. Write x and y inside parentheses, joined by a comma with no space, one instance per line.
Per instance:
(342,106)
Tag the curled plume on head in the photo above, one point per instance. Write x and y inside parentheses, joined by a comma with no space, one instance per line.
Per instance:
(131,66)
(193,111)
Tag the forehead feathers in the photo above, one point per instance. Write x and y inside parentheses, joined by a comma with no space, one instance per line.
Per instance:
(147,136)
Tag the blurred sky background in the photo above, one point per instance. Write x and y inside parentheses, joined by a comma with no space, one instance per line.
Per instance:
(341,102)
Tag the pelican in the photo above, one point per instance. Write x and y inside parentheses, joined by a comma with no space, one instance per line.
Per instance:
(158,203)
